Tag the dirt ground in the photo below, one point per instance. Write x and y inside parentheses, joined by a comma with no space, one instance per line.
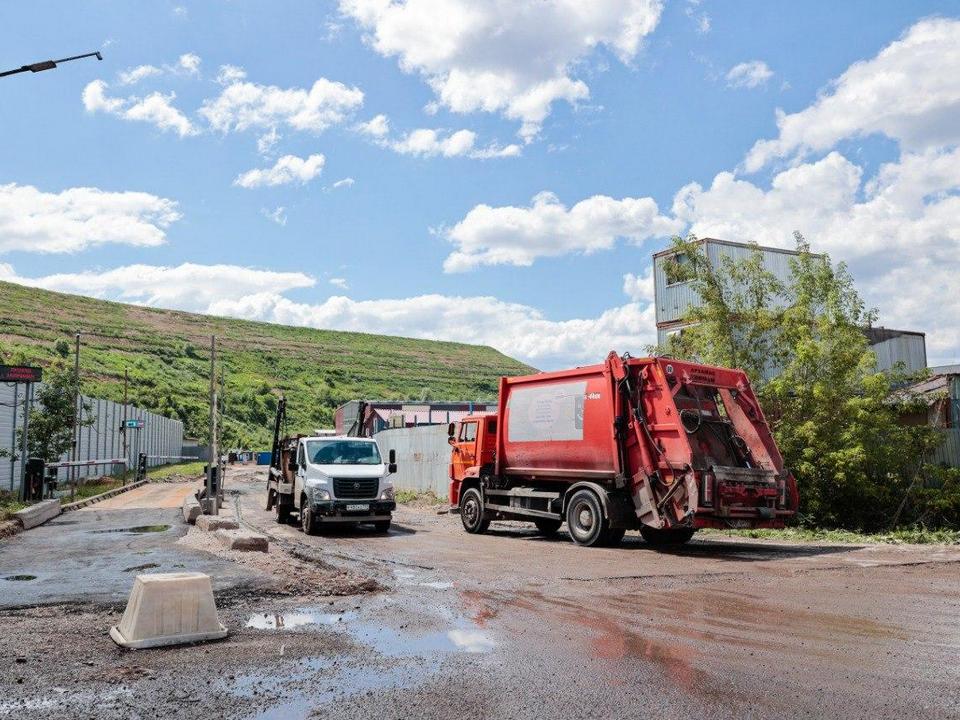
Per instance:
(439,623)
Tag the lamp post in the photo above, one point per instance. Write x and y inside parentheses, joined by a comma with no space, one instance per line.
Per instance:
(48,64)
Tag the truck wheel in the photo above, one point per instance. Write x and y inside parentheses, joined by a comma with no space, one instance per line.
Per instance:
(547,527)
(667,536)
(585,521)
(382,526)
(471,512)
(307,521)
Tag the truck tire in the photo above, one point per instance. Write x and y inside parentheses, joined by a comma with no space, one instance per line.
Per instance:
(308,523)
(614,536)
(547,528)
(471,512)
(667,536)
(382,526)
(585,520)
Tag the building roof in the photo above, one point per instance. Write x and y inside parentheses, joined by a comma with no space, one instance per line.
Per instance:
(731,243)
(881,334)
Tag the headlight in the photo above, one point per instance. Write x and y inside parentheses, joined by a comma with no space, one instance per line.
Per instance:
(387,493)
(321,494)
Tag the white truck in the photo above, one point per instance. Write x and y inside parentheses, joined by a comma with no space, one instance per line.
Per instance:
(327,481)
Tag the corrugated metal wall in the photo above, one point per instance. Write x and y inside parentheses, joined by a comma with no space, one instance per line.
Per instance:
(160,435)
(673,301)
(423,457)
(911,350)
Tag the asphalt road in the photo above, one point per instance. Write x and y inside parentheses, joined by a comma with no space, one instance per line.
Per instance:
(503,625)
(721,628)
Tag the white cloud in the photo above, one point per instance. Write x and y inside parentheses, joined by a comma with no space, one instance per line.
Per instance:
(345,182)
(340,283)
(245,105)
(909,92)
(750,74)
(515,58)
(156,108)
(519,235)
(375,127)
(277,215)
(230,74)
(189,63)
(898,231)
(701,20)
(267,142)
(639,288)
(78,218)
(135,75)
(180,11)
(515,329)
(186,287)
(427,142)
(288,169)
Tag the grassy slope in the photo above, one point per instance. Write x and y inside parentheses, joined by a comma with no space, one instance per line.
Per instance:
(167,352)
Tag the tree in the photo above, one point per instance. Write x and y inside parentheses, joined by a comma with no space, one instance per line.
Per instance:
(51,420)
(803,344)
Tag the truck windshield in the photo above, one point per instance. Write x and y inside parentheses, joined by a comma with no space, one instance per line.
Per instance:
(343,452)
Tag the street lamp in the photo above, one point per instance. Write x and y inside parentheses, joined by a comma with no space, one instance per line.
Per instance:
(48,64)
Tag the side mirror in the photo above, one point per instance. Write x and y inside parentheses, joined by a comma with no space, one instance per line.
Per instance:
(392,464)
(451,430)
(293,465)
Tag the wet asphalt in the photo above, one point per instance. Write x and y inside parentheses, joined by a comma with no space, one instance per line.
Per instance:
(510,624)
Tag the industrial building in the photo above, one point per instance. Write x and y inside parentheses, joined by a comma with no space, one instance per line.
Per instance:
(674,297)
(940,393)
(379,415)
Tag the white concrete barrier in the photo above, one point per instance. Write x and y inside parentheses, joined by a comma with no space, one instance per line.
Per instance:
(243,540)
(169,609)
(215,522)
(191,509)
(38,514)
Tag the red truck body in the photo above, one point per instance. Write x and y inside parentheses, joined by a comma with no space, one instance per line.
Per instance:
(664,446)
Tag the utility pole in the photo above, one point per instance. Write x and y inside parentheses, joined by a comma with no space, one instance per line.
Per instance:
(123,425)
(214,458)
(75,450)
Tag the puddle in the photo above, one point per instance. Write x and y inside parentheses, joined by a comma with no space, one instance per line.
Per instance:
(145,566)
(20,578)
(392,643)
(138,530)
(462,637)
(280,621)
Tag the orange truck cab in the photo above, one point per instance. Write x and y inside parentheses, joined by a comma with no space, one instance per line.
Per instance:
(472,450)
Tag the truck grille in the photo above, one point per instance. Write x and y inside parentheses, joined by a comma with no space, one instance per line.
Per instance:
(354,488)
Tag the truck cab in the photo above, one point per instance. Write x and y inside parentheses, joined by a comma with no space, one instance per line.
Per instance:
(472,443)
(334,481)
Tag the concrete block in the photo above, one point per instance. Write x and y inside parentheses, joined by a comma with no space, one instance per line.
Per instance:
(38,514)
(243,540)
(169,609)
(215,522)
(191,509)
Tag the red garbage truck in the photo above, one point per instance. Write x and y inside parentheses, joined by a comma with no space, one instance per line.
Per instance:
(654,444)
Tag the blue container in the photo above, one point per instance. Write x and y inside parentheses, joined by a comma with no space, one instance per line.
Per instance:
(263,458)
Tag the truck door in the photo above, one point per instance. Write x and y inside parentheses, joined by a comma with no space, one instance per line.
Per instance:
(298,483)
(465,453)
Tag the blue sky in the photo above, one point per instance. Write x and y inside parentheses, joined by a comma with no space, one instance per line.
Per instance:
(226,156)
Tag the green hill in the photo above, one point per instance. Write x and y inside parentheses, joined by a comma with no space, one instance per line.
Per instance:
(167,355)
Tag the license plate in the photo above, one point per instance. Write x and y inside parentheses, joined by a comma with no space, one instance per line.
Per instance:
(357,508)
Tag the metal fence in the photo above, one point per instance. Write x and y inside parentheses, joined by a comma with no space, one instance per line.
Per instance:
(423,457)
(159,436)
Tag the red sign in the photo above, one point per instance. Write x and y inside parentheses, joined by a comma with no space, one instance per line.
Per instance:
(20,373)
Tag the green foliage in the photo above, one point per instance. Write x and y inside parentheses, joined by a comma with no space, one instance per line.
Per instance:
(52,419)
(803,345)
(917,535)
(167,355)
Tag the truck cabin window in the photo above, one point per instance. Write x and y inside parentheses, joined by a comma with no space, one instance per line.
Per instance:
(468,432)
(343,452)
